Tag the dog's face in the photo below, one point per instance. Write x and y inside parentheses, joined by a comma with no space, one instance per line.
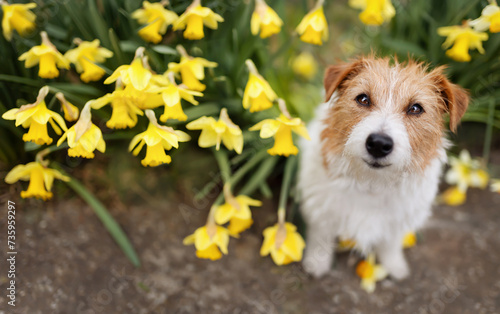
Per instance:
(388,117)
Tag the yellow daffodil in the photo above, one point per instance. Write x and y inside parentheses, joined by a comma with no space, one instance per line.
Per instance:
(125,111)
(172,95)
(84,137)
(35,117)
(283,243)
(258,93)
(462,38)
(495,185)
(466,172)
(453,196)
(281,128)
(141,99)
(209,241)
(214,132)
(265,20)
(313,28)
(370,273)
(18,17)
(157,19)
(375,12)
(236,211)
(137,73)
(47,56)
(85,57)
(194,18)
(71,112)
(490,19)
(40,177)
(192,70)
(157,138)
(305,65)
(409,240)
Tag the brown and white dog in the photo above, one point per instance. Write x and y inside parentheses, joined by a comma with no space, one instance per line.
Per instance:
(371,170)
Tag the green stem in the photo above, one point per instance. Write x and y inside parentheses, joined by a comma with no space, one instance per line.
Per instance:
(290,167)
(108,221)
(489,131)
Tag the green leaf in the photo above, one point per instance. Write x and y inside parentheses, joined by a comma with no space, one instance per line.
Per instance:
(164,50)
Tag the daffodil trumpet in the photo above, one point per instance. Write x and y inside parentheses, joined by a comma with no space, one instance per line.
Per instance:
(194,18)
(47,56)
(211,240)
(313,28)
(84,137)
(258,94)
(138,73)
(265,20)
(192,70)
(236,211)
(281,129)
(35,116)
(157,138)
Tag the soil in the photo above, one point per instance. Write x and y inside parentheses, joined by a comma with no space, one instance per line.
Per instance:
(68,263)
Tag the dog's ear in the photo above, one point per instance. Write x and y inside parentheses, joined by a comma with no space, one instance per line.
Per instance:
(455,97)
(335,74)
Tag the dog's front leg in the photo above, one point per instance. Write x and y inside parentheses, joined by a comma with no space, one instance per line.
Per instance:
(319,250)
(391,256)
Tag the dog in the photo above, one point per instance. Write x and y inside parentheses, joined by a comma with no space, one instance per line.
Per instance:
(371,170)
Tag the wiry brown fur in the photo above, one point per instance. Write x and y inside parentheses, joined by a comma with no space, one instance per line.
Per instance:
(392,88)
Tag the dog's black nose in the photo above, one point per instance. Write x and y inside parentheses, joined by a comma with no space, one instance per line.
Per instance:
(379,145)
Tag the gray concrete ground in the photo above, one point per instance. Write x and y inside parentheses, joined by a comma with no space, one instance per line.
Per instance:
(67,263)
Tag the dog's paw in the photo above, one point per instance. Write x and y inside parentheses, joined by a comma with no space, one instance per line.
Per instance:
(316,266)
(397,268)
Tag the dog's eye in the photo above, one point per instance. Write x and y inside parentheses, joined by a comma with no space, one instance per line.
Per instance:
(363,100)
(415,109)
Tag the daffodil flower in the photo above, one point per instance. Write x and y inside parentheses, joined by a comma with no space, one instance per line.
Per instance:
(265,20)
(85,57)
(157,138)
(370,273)
(143,100)
(375,12)
(305,65)
(84,137)
(453,196)
(18,17)
(258,94)
(125,111)
(35,117)
(313,28)
(466,172)
(157,19)
(409,240)
(209,241)
(462,38)
(172,95)
(236,211)
(136,74)
(194,18)
(71,112)
(495,185)
(47,56)
(214,132)
(40,177)
(490,19)
(281,129)
(283,243)
(192,70)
